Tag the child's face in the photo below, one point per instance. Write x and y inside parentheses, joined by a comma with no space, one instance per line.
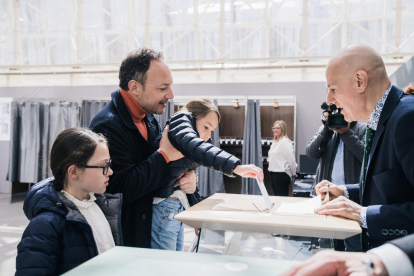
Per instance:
(206,125)
(92,179)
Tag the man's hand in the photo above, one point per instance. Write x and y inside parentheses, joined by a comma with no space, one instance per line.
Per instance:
(188,182)
(342,130)
(341,207)
(329,262)
(334,190)
(165,145)
(249,171)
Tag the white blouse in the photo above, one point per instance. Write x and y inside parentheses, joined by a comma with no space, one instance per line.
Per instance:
(281,157)
(96,219)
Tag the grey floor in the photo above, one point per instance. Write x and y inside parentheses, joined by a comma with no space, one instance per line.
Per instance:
(12,224)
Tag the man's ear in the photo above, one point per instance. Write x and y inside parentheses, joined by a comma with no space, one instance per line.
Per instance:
(361,79)
(135,87)
(73,172)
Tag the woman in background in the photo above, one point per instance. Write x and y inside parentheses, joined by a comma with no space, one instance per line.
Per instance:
(282,165)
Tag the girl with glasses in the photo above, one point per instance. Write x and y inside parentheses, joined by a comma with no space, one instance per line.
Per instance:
(71,219)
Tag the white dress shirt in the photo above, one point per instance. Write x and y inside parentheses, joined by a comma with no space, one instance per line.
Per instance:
(394,259)
(281,157)
(96,219)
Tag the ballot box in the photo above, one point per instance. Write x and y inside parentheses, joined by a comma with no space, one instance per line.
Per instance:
(127,261)
(248,213)
(242,225)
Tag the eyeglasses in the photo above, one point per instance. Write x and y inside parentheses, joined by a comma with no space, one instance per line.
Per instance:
(274,128)
(105,167)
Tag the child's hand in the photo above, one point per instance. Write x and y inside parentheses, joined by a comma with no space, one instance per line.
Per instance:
(249,171)
(188,182)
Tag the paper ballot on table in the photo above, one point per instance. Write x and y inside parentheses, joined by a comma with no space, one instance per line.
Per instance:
(264,194)
(305,207)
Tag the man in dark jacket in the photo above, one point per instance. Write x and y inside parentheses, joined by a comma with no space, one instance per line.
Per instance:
(131,128)
(340,162)
(348,142)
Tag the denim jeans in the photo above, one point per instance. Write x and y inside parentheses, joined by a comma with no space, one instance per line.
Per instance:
(166,232)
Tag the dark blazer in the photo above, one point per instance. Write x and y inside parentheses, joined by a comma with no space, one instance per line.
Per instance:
(389,188)
(183,136)
(58,237)
(139,169)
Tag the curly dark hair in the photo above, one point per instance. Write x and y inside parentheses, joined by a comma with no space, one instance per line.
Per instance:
(136,65)
(73,146)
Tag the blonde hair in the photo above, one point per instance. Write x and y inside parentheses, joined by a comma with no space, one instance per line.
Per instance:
(200,107)
(282,124)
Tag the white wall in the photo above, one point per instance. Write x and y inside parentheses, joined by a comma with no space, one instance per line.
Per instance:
(4,163)
(309,96)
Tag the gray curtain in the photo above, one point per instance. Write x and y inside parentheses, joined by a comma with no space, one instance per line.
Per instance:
(35,126)
(211,181)
(168,112)
(252,145)
(89,110)
(404,75)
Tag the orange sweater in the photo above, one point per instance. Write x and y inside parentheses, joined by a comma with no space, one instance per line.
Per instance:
(138,115)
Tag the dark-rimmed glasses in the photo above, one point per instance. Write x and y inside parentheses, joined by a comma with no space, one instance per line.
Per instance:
(105,166)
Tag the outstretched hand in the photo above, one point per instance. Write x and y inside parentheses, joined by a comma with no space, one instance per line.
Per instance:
(249,171)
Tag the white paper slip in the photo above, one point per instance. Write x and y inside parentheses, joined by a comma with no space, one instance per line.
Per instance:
(264,194)
(305,207)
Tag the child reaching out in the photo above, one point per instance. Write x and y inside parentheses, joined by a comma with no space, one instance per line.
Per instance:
(189,131)
(71,220)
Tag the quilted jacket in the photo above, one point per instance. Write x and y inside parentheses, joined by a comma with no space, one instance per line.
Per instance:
(58,237)
(184,137)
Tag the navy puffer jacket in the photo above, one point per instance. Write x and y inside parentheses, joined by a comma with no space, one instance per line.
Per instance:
(58,237)
(184,137)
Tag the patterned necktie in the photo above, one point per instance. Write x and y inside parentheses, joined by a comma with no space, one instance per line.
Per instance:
(369,137)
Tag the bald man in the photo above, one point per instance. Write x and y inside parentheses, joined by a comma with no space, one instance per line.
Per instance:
(357,82)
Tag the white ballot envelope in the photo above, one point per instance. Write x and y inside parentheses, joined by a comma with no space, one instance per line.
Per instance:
(264,194)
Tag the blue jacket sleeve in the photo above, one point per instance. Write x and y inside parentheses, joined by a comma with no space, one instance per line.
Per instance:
(396,216)
(38,252)
(184,137)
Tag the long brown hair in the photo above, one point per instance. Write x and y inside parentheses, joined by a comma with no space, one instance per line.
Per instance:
(200,107)
(282,124)
(73,146)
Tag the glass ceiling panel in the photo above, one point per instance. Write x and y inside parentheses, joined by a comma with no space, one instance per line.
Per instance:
(50,36)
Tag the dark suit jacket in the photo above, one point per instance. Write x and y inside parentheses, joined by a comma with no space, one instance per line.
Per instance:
(138,168)
(389,188)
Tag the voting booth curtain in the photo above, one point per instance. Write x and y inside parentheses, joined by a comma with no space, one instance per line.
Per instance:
(34,128)
(89,110)
(211,181)
(252,145)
